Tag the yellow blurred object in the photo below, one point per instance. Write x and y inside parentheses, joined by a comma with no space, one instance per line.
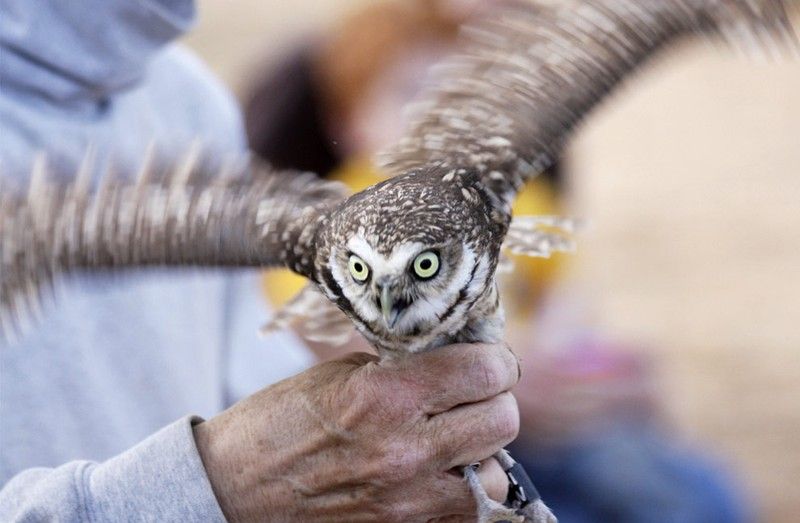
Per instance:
(531,276)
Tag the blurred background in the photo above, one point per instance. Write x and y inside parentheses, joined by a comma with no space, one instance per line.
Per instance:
(690,178)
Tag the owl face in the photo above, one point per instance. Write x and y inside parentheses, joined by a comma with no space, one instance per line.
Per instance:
(407,261)
(405,292)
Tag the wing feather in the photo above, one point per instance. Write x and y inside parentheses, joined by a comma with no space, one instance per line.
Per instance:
(528,76)
(541,236)
(257,217)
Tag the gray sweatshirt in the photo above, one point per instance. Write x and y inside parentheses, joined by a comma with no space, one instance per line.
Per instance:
(96,402)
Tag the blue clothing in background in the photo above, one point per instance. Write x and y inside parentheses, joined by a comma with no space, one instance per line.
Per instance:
(630,473)
(119,361)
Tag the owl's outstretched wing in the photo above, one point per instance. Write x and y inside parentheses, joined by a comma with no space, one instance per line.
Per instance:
(254,216)
(528,76)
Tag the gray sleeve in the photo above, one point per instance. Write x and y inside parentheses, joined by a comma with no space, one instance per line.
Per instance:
(69,51)
(160,479)
(254,361)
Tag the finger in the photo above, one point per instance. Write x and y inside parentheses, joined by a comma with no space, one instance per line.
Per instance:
(459,502)
(458,374)
(471,433)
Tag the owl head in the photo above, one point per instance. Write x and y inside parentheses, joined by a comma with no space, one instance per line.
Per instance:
(407,259)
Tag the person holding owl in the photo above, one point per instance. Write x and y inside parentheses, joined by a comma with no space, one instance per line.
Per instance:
(94,417)
(496,119)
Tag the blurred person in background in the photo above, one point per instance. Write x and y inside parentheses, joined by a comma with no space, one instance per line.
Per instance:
(592,437)
(95,399)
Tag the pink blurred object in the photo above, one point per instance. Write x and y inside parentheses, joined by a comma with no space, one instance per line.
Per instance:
(584,385)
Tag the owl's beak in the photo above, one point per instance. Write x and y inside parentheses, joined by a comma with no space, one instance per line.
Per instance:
(390,313)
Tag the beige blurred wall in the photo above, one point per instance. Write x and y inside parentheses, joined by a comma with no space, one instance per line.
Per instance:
(234,36)
(691,179)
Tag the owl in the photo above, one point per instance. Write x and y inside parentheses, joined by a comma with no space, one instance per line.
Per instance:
(411,261)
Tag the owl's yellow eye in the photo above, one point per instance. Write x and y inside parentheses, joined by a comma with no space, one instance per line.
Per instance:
(426,265)
(359,270)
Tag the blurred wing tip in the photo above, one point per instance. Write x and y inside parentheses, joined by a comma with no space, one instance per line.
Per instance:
(542,236)
(767,31)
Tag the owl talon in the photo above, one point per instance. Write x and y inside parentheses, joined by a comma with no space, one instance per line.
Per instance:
(529,508)
(538,513)
(489,510)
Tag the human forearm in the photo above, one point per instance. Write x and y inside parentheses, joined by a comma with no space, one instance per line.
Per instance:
(161,479)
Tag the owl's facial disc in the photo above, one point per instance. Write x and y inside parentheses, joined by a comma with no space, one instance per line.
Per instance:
(390,282)
(403,291)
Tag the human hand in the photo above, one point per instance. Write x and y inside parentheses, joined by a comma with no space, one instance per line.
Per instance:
(358,439)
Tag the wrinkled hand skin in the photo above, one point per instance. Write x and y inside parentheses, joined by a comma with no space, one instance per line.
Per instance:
(358,439)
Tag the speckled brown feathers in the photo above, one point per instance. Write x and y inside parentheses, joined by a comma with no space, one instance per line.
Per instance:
(453,217)
(419,206)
